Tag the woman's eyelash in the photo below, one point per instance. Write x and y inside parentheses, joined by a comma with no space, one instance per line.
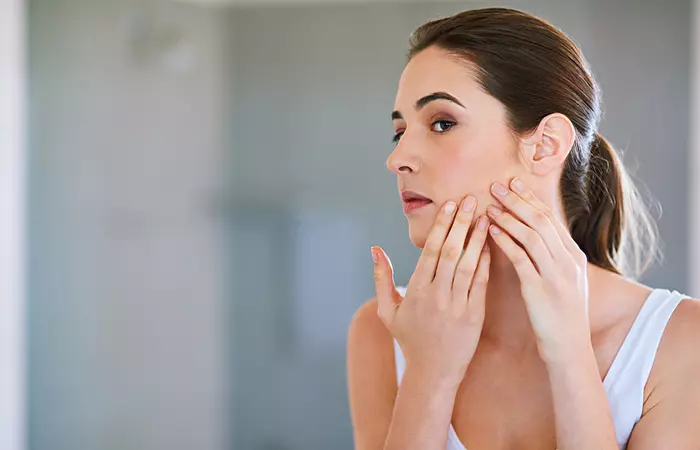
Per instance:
(449,124)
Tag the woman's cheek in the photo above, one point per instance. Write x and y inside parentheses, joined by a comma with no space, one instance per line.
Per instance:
(471,171)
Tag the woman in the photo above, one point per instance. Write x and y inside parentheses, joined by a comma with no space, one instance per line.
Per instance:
(538,337)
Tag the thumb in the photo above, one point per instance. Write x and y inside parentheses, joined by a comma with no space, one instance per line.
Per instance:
(384,284)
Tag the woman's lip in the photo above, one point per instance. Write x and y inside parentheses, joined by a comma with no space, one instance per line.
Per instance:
(414,204)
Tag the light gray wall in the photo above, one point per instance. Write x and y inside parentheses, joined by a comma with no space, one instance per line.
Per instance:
(640,51)
(314,90)
(127,250)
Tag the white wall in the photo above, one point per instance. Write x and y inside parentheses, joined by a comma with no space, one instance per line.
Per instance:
(12,359)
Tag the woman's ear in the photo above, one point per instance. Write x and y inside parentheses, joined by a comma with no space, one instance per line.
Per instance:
(547,147)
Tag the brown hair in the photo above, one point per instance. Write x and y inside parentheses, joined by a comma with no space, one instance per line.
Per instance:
(534,70)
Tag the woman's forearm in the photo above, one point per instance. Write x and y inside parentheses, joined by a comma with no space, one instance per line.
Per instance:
(581,409)
(422,412)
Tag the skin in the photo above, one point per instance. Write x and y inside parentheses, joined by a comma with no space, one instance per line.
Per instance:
(511,355)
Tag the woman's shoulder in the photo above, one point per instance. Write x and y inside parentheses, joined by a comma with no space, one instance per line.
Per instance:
(676,367)
(366,321)
(368,339)
(678,349)
(372,383)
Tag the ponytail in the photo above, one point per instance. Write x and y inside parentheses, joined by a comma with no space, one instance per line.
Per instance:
(615,231)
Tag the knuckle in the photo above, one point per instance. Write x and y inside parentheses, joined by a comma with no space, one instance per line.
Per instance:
(541,219)
(519,257)
(463,218)
(442,304)
(465,269)
(432,251)
(377,275)
(480,281)
(531,239)
(451,252)
(476,315)
(546,210)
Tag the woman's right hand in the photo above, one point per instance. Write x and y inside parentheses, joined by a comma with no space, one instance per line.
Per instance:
(439,320)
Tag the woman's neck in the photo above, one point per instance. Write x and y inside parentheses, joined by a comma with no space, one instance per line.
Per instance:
(506,324)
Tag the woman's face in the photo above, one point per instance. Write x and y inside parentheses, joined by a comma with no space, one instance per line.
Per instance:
(452,138)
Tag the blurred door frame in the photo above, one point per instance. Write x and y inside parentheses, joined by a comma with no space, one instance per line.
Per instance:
(12,247)
(694,174)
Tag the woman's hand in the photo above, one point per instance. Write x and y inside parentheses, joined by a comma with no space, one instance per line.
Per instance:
(438,322)
(551,268)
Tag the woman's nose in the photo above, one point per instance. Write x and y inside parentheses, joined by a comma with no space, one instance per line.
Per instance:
(401,161)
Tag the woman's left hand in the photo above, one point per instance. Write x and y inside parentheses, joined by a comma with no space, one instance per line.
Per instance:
(551,268)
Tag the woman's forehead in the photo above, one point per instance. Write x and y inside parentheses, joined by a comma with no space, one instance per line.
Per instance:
(433,70)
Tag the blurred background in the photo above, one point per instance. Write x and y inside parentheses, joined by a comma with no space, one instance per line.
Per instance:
(190,190)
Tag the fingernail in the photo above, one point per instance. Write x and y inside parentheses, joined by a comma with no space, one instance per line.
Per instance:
(483,223)
(495,229)
(468,204)
(518,185)
(499,189)
(374,254)
(450,207)
(494,211)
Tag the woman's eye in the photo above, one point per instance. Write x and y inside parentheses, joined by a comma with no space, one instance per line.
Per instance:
(443,125)
(439,126)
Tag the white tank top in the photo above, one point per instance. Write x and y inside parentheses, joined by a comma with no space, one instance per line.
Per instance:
(624,383)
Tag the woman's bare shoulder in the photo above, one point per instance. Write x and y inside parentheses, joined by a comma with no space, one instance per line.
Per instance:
(370,345)
(366,320)
(372,384)
(677,355)
(672,393)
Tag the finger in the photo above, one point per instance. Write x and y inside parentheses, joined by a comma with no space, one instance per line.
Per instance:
(465,270)
(454,244)
(533,217)
(521,261)
(529,239)
(564,234)
(387,294)
(427,263)
(476,303)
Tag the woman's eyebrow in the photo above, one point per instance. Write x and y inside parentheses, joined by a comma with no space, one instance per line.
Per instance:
(420,104)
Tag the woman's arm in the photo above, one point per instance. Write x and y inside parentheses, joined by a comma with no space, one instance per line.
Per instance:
(581,409)
(553,277)
(417,417)
(371,377)
(423,411)
(671,417)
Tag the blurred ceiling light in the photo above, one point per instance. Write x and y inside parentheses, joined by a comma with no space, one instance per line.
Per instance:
(152,40)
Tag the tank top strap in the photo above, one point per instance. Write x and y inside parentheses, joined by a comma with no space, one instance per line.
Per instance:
(625,381)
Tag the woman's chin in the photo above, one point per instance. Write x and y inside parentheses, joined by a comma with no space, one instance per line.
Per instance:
(418,234)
